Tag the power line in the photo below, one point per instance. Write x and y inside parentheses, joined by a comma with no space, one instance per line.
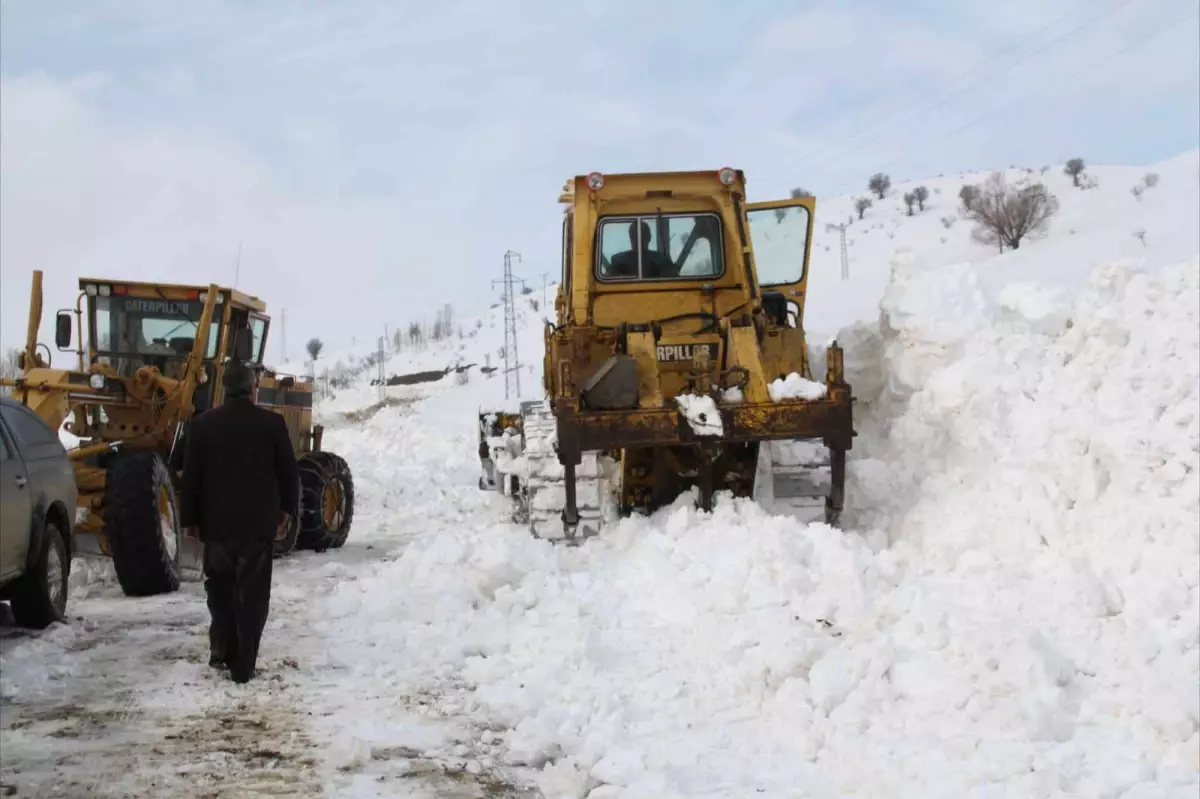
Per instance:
(848,187)
(877,131)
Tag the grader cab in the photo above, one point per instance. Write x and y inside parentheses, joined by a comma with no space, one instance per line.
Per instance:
(147,358)
(676,362)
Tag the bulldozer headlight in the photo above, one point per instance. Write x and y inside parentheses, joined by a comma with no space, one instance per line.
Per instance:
(595,181)
(96,381)
(105,291)
(91,289)
(726,175)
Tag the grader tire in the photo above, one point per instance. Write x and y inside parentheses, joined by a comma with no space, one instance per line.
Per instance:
(141,522)
(288,542)
(326,501)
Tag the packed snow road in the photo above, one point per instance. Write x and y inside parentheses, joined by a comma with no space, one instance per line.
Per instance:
(1014,610)
(121,702)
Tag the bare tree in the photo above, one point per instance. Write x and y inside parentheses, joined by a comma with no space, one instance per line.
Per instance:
(1005,215)
(799,193)
(314,347)
(967,195)
(948,222)
(1074,168)
(397,341)
(879,183)
(1140,235)
(1137,190)
(1151,179)
(861,205)
(922,194)
(9,369)
(910,199)
(415,335)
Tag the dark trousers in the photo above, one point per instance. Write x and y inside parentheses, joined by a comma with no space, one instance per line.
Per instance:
(238,584)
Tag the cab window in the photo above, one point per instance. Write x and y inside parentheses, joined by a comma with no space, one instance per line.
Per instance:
(780,238)
(258,329)
(659,247)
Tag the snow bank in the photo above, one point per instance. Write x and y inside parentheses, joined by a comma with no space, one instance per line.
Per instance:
(1044,460)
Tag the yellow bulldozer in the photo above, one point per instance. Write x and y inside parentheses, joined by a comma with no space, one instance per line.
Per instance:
(147,358)
(677,361)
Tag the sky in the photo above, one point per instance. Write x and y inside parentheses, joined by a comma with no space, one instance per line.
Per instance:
(374,160)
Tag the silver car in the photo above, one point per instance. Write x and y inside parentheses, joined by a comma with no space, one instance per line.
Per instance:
(37,510)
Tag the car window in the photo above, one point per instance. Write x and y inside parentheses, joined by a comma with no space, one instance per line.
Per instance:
(27,426)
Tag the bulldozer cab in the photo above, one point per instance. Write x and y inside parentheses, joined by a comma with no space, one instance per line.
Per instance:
(669,247)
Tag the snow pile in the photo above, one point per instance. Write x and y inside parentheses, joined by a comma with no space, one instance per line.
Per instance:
(1044,460)
(795,387)
(1019,617)
(701,414)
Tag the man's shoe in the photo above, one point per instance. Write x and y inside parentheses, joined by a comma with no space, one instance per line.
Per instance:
(241,677)
(217,662)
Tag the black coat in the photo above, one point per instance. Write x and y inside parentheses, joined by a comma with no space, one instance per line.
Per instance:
(239,472)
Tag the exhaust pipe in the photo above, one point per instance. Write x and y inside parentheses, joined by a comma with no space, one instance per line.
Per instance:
(35,321)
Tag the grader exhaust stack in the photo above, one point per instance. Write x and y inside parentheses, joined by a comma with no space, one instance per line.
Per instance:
(677,361)
(30,358)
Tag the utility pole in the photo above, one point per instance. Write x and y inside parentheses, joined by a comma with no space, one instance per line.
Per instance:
(512,364)
(845,252)
(382,377)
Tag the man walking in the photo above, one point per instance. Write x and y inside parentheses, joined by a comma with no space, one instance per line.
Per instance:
(239,484)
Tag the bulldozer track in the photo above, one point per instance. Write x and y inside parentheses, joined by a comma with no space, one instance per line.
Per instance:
(794,478)
(542,496)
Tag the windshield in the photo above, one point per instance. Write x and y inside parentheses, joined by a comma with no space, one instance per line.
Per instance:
(149,330)
(660,247)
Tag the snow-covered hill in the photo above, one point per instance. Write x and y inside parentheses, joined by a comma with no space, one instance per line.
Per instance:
(1094,226)
(1013,611)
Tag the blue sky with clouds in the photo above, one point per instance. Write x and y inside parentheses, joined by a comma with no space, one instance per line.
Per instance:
(375,159)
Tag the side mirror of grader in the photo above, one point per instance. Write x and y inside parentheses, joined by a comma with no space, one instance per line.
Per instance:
(62,330)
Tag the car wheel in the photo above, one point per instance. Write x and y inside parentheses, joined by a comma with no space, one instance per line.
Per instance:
(40,597)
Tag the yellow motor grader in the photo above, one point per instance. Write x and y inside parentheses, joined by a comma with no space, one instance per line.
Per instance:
(677,361)
(148,357)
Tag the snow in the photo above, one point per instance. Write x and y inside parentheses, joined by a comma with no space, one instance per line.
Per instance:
(732,395)
(701,414)
(795,387)
(1013,609)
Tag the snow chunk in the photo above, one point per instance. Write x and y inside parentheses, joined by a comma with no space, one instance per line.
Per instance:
(701,413)
(795,387)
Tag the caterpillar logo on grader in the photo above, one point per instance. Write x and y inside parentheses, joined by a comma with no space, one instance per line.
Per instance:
(678,325)
(149,357)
